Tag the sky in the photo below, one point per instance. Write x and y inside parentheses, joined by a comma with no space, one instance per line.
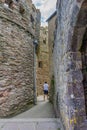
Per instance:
(47,7)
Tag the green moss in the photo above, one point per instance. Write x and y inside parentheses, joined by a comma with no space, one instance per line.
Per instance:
(58,128)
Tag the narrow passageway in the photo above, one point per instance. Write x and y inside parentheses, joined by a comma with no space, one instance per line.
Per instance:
(39,117)
(43,109)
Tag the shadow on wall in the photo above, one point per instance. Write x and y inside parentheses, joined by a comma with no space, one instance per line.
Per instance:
(52,90)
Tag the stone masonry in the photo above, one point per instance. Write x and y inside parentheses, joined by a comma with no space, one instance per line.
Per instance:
(70,99)
(51,39)
(42,70)
(51,34)
(16,56)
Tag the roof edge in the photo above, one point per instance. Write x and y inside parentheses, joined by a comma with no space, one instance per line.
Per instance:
(51,16)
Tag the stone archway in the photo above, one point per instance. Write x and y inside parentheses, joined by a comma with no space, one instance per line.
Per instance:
(79,49)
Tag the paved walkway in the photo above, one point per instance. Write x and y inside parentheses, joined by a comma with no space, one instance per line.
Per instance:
(23,124)
(43,109)
(40,117)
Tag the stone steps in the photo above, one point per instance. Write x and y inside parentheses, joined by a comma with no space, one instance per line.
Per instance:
(31,124)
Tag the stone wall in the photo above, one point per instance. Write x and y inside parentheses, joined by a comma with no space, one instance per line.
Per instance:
(51,39)
(69,91)
(16,59)
(38,17)
(51,32)
(42,70)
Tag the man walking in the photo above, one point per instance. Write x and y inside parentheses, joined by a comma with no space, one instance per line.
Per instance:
(45,88)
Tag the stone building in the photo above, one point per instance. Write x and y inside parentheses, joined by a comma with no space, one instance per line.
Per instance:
(51,37)
(35,19)
(70,58)
(17,32)
(42,70)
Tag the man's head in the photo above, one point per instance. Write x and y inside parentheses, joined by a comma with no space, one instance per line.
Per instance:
(45,82)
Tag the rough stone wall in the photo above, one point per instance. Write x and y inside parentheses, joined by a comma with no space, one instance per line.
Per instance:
(36,21)
(51,38)
(38,17)
(51,31)
(69,88)
(16,60)
(42,71)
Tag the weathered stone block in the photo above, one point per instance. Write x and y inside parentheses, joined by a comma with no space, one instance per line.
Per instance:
(68,61)
(16,60)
